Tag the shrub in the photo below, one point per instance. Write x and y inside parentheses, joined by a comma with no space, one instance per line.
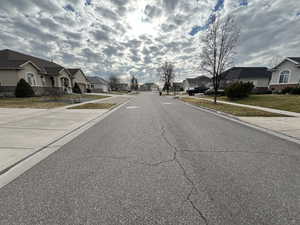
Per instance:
(295,91)
(23,89)
(239,90)
(286,90)
(262,92)
(76,89)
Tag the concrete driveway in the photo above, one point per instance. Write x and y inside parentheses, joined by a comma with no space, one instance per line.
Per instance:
(25,131)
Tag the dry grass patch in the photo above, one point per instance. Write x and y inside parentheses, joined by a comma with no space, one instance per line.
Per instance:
(94,106)
(230,109)
(45,102)
(34,102)
(282,102)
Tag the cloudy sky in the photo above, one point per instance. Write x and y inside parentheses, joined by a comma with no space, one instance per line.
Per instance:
(125,37)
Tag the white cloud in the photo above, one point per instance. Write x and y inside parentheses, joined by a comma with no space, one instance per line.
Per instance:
(123,37)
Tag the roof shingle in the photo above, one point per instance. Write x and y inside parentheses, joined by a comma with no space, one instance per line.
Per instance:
(247,72)
(13,60)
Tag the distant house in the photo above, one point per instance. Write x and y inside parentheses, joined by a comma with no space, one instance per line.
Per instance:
(259,76)
(177,86)
(286,74)
(122,87)
(77,76)
(46,78)
(98,84)
(149,87)
(191,83)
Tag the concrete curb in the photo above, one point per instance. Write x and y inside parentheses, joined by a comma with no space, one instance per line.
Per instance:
(237,120)
(10,173)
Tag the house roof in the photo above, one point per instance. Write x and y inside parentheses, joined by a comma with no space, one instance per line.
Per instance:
(247,72)
(295,59)
(13,60)
(53,70)
(73,71)
(177,84)
(149,84)
(97,80)
(197,81)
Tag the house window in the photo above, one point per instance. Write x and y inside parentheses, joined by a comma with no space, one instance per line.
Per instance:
(64,82)
(52,81)
(43,80)
(31,79)
(284,77)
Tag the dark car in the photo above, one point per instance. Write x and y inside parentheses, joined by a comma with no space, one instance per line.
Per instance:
(211,91)
(196,90)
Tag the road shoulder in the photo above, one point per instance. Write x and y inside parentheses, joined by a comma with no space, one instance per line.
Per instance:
(261,123)
(30,140)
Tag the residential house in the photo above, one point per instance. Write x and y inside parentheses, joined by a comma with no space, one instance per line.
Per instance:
(149,87)
(77,76)
(286,74)
(122,87)
(46,78)
(98,84)
(200,81)
(259,76)
(177,86)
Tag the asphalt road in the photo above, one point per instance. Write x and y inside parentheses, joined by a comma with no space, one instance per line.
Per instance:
(159,161)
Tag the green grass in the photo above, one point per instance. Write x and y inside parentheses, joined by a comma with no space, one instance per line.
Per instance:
(45,102)
(282,102)
(86,96)
(94,106)
(230,109)
(119,92)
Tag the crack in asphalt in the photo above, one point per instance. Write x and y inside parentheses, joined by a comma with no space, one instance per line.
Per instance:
(177,161)
(190,181)
(245,152)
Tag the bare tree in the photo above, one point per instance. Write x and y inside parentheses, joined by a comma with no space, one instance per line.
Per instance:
(114,82)
(134,84)
(167,75)
(218,49)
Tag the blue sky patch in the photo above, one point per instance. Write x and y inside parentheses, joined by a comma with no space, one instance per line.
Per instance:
(243,2)
(69,7)
(88,2)
(197,29)
(219,5)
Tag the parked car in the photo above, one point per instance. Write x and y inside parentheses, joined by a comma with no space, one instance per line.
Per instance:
(196,90)
(211,91)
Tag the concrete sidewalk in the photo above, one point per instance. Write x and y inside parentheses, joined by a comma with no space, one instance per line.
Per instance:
(289,126)
(25,131)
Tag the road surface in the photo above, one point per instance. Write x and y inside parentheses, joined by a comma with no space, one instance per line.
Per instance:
(157,160)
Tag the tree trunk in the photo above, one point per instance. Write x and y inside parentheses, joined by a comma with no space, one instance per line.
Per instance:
(215,97)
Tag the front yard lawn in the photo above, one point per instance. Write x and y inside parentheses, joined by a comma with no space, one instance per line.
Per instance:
(230,109)
(282,102)
(46,102)
(94,106)
(118,92)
